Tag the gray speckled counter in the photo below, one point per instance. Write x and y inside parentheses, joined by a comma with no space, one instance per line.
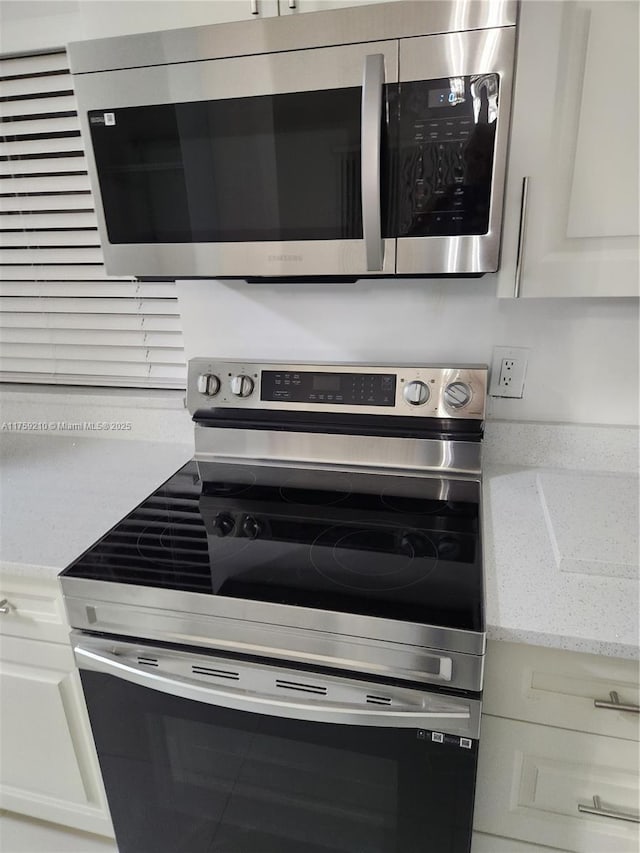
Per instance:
(59,494)
(561,558)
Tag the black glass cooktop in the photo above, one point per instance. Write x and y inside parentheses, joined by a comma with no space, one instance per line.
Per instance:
(377,554)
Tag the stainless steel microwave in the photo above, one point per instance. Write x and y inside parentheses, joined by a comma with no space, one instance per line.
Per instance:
(365,141)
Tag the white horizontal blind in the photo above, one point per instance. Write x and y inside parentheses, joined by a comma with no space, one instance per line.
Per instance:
(62,318)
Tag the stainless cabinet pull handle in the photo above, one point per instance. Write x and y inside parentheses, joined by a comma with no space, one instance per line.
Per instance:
(521,234)
(598,810)
(372,83)
(254,7)
(615,704)
(5,607)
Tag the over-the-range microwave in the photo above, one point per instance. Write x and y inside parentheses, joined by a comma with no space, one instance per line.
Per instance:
(365,141)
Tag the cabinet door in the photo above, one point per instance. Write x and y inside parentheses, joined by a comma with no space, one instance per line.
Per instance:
(531,779)
(48,765)
(292,7)
(60,23)
(575,137)
(105,17)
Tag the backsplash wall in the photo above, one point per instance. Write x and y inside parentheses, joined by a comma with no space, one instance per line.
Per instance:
(583,364)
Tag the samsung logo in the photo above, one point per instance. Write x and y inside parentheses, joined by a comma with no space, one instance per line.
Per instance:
(272,258)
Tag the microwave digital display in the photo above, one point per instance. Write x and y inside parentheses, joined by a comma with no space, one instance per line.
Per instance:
(442,98)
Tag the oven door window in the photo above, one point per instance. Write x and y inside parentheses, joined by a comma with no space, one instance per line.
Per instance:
(186,777)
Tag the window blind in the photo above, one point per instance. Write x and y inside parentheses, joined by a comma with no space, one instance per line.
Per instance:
(62,318)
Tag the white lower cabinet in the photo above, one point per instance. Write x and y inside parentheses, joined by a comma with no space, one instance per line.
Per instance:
(531,779)
(559,688)
(48,765)
(559,753)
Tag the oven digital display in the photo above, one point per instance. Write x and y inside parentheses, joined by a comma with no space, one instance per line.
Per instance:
(347,389)
(326,382)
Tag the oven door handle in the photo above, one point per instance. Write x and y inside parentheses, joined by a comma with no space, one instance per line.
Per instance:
(370,163)
(444,708)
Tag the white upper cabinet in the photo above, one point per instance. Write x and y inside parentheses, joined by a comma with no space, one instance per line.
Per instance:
(291,7)
(575,138)
(114,17)
(45,24)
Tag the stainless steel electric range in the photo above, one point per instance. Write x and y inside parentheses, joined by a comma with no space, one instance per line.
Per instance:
(282,648)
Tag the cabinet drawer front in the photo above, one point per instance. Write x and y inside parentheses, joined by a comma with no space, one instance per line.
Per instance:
(532,778)
(32,609)
(49,768)
(559,688)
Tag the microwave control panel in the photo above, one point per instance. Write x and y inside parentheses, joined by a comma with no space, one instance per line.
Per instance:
(445,154)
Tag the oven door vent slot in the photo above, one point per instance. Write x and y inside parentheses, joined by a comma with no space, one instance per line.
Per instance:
(378,700)
(144,661)
(215,673)
(316,689)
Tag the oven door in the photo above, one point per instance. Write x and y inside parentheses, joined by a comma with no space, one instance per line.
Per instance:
(203,753)
(247,166)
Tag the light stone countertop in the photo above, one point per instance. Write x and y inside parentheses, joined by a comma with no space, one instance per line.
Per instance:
(560,544)
(59,494)
(561,558)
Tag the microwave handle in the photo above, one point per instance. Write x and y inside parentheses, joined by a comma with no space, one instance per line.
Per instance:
(372,83)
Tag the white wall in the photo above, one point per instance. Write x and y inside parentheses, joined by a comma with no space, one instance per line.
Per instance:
(583,364)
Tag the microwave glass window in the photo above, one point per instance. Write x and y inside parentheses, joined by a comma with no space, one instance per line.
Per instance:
(274,167)
(444,156)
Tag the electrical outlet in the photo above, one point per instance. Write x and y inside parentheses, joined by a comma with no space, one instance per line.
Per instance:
(508,371)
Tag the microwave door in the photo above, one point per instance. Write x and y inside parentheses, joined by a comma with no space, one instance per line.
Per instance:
(454,104)
(242,167)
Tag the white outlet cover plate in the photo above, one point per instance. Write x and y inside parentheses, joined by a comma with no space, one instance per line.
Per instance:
(518,354)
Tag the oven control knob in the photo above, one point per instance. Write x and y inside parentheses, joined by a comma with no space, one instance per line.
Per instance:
(208,383)
(416,393)
(251,527)
(223,524)
(241,385)
(457,395)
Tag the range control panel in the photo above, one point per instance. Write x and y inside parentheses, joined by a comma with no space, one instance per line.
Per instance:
(437,391)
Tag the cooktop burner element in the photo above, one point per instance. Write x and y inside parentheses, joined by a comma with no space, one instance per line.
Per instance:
(345,559)
(321,532)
